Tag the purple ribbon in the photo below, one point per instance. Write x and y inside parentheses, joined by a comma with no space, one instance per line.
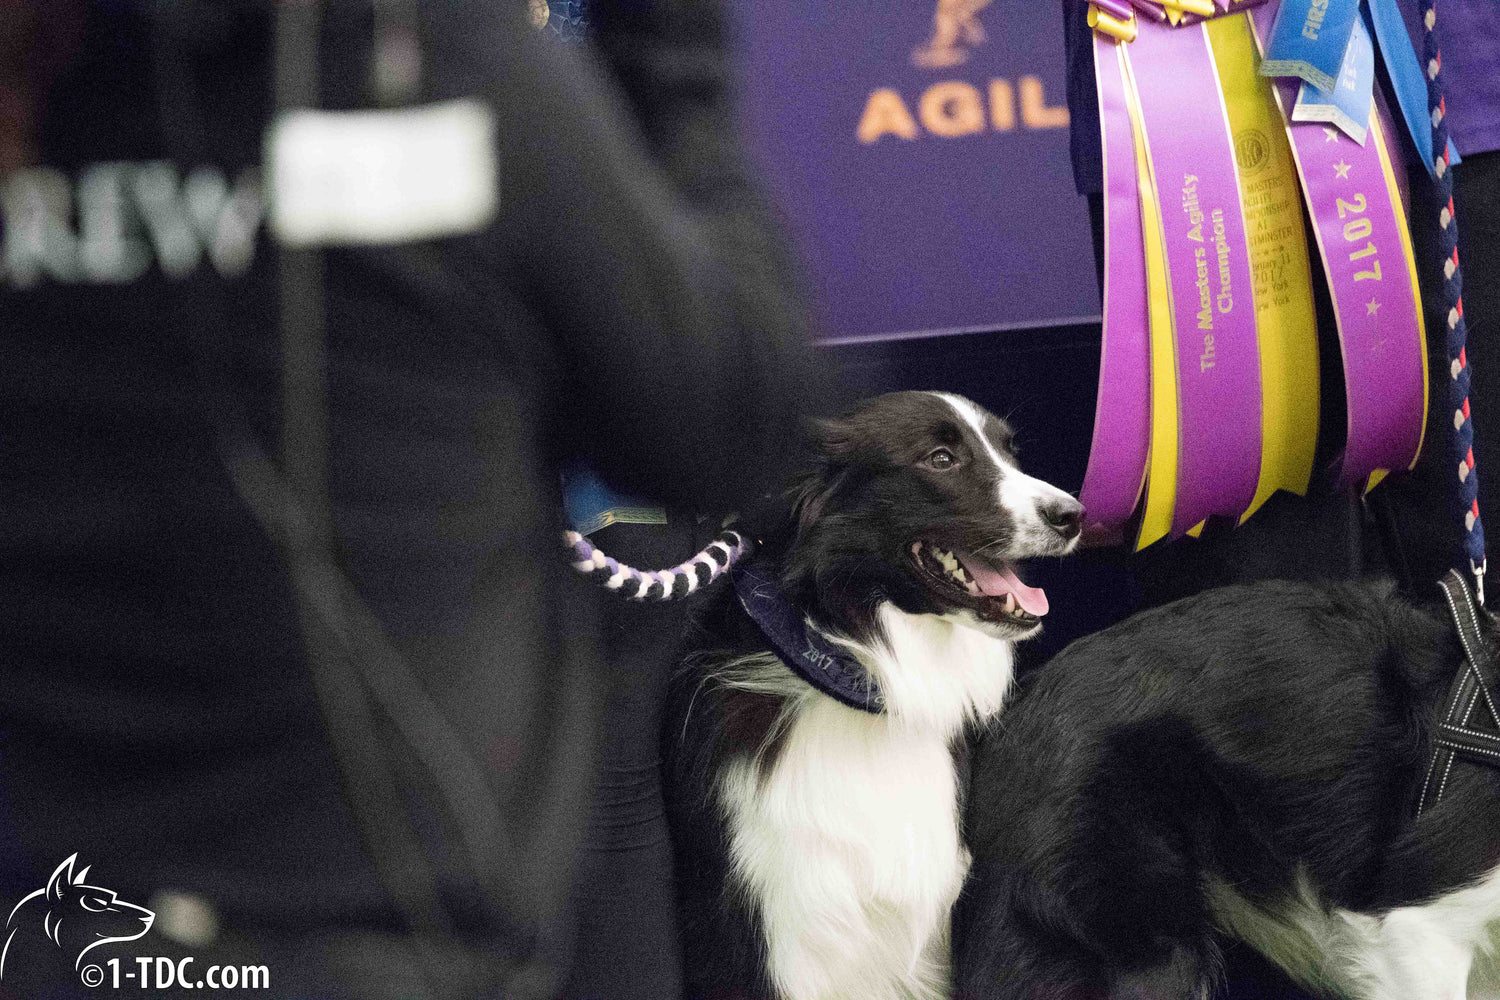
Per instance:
(1375,301)
(1122,419)
(1208,271)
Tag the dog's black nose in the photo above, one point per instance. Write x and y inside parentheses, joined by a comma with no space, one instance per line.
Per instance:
(1064,516)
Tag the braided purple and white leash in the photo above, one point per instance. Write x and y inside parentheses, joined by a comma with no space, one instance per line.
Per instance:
(1453,285)
(727,548)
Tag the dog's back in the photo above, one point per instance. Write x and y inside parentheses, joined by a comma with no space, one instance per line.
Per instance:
(1248,758)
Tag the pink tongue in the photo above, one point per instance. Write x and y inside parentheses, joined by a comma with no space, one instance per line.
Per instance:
(1033,600)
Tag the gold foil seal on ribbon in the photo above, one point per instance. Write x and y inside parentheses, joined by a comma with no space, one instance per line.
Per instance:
(1279,261)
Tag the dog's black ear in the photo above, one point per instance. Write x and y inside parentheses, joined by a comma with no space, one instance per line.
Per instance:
(834,444)
(809,495)
(832,439)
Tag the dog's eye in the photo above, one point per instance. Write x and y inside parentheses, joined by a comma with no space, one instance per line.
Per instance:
(94,904)
(942,458)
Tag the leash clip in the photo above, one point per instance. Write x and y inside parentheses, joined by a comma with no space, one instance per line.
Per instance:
(1479,570)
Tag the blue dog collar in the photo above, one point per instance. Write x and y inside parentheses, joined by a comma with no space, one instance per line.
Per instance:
(822,664)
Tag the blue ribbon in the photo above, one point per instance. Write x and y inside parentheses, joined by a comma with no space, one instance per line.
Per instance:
(1347,105)
(1311,39)
(1308,40)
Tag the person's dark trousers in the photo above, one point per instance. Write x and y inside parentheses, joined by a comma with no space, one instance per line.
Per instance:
(626,948)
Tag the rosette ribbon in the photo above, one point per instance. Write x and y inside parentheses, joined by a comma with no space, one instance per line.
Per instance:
(1208,397)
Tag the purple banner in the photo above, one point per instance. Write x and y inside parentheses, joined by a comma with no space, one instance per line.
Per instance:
(919,154)
(1122,420)
(1360,225)
(1208,269)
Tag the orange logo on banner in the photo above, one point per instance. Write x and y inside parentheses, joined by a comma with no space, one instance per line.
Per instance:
(955,24)
(954,108)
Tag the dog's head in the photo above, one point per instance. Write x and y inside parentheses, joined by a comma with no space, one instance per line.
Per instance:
(916,498)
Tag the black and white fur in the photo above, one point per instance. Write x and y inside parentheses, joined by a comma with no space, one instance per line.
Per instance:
(818,846)
(1247,762)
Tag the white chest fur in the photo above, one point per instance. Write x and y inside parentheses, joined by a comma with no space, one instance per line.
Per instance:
(850,847)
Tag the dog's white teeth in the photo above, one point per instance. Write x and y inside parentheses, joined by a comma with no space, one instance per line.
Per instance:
(956,572)
(973,588)
(1010,602)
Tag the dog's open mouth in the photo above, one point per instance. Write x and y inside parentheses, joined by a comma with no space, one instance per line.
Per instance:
(991,589)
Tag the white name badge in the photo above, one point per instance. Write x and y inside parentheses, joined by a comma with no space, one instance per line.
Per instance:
(363,177)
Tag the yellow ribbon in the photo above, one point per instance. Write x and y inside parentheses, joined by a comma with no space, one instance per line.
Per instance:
(1203,8)
(1161,474)
(1408,257)
(1286,324)
(1124,31)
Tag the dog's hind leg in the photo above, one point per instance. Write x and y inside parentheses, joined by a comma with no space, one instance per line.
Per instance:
(1017,940)
(1180,974)
(1096,888)
(1135,874)
(1030,967)
(1000,957)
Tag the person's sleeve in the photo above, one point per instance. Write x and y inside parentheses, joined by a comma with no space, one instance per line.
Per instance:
(683,344)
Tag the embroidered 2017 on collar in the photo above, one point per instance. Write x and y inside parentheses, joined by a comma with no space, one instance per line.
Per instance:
(825,666)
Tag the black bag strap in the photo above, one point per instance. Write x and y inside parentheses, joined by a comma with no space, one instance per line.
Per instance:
(1457,734)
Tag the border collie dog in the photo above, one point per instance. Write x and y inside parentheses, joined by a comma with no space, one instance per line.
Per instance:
(1251,761)
(810,743)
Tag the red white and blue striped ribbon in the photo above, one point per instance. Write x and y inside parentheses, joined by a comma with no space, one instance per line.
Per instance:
(1453,286)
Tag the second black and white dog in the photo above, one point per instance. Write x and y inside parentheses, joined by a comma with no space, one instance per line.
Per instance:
(1251,761)
(810,743)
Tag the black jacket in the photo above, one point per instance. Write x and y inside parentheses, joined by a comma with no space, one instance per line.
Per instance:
(628,307)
